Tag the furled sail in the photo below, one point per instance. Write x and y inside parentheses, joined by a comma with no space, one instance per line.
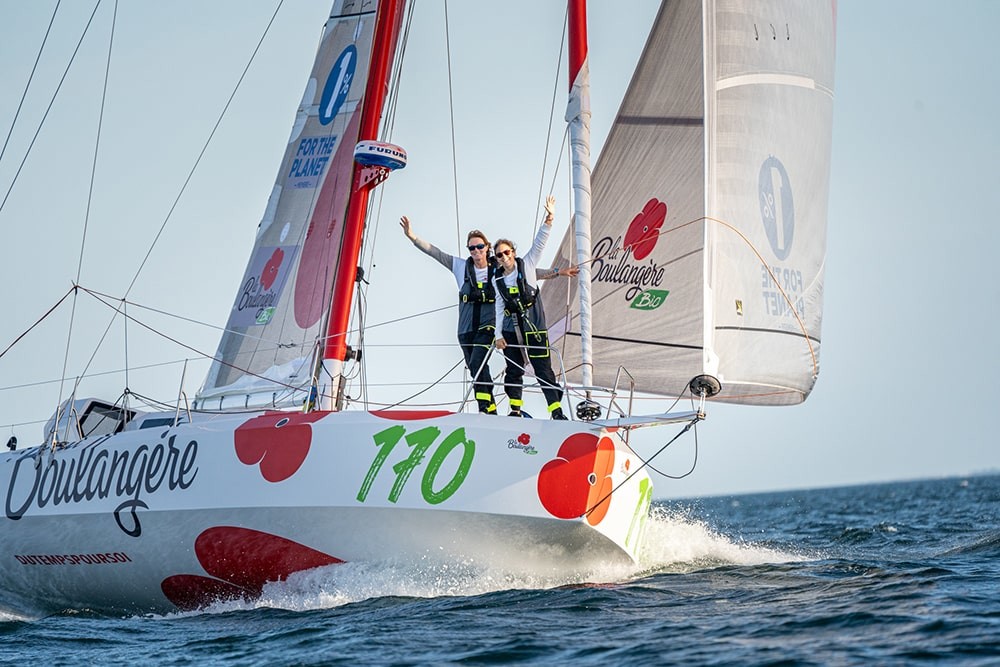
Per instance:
(709,206)
(267,351)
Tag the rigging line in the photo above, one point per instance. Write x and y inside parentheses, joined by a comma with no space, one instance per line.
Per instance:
(386,135)
(136,304)
(93,355)
(125,342)
(97,143)
(39,320)
(385,406)
(451,112)
(694,463)
(49,108)
(31,77)
(31,423)
(111,372)
(90,200)
(184,345)
(555,174)
(204,148)
(361,305)
(548,132)
(774,279)
(635,472)
(791,307)
(428,388)
(233,332)
(410,317)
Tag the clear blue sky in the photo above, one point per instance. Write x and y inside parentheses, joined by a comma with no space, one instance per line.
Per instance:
(908,361)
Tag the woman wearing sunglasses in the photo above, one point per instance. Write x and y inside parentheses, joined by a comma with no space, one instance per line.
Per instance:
(475,276)
(476,294)
(521,319)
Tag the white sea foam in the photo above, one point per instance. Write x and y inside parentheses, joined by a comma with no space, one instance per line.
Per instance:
(676,542)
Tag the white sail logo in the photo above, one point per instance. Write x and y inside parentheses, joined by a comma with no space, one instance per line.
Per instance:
(338,83)
(263,285)
(777,210)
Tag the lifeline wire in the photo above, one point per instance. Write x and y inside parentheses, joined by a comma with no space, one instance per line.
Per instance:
(684,430)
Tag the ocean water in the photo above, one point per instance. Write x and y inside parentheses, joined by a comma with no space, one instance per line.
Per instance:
(886,574)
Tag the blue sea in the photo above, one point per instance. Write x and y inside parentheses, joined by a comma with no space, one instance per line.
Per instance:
(904,573)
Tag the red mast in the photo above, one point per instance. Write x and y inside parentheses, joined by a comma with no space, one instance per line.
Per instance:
(387,21)
(577,37)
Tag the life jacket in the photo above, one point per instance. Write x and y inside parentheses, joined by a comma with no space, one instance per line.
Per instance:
(476,298)
(521,301)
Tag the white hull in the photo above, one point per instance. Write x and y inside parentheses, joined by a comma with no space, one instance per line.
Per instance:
(161,519)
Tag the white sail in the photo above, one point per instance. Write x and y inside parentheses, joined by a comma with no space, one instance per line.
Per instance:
(709,206)
(266,353)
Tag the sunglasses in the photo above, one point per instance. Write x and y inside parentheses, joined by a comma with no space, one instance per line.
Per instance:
(477,246)
(504,253)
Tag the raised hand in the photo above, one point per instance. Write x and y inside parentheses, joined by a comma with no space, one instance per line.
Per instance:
(404,222)
(550,209)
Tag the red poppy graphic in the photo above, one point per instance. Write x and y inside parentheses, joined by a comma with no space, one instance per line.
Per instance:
(270,272)
(579,480)
(278,441)
(644,229)
(239,561)
(524,438)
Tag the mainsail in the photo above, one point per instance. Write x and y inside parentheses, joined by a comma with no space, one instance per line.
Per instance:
(267,353)
(709,207)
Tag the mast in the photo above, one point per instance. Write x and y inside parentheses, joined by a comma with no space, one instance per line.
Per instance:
(387,21)
(578,117)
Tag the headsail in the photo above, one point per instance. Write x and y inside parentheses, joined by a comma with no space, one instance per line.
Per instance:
(266,354)
(709,206)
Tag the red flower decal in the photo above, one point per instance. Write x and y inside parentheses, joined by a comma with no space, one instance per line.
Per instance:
(278,441)
(524,438)
(270,272)
(240,561)
(579,480)
(644,230)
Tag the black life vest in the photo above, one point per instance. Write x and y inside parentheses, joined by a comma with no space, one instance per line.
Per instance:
(519,298)
(478,297)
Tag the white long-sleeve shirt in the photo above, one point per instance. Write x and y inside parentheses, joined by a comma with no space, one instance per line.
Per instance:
(530,260)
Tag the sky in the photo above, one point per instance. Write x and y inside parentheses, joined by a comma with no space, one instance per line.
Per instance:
(909,362)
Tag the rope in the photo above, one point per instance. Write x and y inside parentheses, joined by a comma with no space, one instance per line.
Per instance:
(40,383)
(204,148)
(86,217)
(49,108)
(451,114)
(170,212)
(760,258)
(368,255)
(684,430)
(426,389)
(184,345)
(548,132)
(31,77)
(39,320)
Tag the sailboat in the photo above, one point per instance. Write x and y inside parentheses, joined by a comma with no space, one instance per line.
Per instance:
(710,193)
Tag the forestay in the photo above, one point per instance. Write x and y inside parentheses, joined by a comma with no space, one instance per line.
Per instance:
(709,206)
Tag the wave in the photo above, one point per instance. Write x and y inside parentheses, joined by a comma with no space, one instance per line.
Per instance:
(674,542)
(986,544)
